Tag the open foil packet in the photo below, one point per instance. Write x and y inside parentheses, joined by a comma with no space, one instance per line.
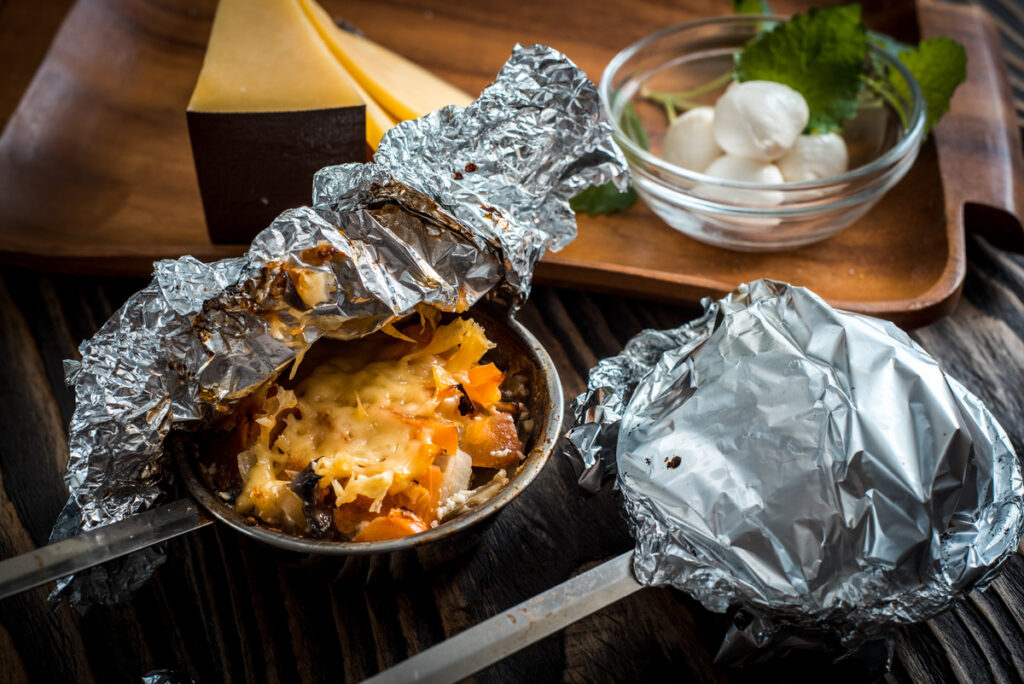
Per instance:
(457,204)
(812,468)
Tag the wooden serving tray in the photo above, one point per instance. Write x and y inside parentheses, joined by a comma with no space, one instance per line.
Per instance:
(96,171)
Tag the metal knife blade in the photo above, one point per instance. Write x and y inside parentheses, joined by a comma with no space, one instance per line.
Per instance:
(99,545)
(504,634)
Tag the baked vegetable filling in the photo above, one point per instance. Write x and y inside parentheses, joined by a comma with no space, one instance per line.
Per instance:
(397,433)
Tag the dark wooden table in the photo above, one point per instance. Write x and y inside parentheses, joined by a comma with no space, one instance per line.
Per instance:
(225,609)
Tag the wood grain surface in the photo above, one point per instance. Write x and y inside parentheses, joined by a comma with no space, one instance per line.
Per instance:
(224,609)
(102,130)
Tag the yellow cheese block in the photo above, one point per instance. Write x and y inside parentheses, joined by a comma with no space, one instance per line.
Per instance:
(404,89)
(266,56)
(378,122)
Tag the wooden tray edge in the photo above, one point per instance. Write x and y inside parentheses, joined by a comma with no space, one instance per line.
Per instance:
(674,288)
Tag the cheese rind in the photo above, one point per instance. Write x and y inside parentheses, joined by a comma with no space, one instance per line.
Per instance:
(251,166)
(378,122)
(266,56)
(404,89)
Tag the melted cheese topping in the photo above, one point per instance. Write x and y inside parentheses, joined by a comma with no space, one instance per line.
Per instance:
(377,428)
(366,428)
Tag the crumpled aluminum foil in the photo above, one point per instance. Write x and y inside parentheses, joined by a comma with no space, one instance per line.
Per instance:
(455,203)
(812,467)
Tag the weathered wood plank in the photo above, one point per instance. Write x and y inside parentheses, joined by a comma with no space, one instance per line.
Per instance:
(250,618)
(12,669)
(46,643)
(36,293)
(33,451)
(223,608)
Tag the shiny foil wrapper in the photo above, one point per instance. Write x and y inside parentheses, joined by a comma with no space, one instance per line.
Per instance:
(456,205)
(812,468)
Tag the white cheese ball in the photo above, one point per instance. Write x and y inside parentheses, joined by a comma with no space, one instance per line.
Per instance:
(759,119)
(730,167)
(813,157)
(689,141)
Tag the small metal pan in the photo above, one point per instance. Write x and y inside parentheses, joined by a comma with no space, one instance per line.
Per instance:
(515,347)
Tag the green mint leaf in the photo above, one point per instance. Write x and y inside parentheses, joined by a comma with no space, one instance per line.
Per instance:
(751,7)
(820,54)
(888,43)
(939,65)
(606,199)
(603,199)
(755,7)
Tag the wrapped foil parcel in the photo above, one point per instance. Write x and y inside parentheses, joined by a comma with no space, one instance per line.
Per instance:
(455,205)
(813,469)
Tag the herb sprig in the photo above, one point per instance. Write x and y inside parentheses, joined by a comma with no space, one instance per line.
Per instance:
(820,55)
(823,55)
(606,199)
(939,66)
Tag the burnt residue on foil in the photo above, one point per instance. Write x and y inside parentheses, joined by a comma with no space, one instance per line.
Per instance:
(380,240)
(814,469)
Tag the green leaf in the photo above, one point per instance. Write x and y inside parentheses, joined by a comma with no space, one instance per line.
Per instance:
(939,65)
(751,7)
(632,127)
(603,199)
(888,43)
(606,199)
(820,54)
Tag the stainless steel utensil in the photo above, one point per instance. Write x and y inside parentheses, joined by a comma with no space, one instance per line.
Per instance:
(518,627)
(31,569)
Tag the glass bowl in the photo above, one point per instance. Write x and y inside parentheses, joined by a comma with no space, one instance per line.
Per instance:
(882,139)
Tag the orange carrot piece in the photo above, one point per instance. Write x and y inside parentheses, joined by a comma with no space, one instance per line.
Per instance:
(422,498)
(416,498)
(445,435)
(492,442)
(483,384)
(433,485)
(396,524)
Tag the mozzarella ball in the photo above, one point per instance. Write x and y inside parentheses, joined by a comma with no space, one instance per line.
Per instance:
(689,141)
(730,167)
(813,157)
(759,119)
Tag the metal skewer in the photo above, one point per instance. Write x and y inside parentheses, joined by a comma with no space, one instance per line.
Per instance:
(504,634)
(99,545)
(449,661)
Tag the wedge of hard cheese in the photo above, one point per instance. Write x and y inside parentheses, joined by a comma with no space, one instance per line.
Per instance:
(271,107)
(404,89)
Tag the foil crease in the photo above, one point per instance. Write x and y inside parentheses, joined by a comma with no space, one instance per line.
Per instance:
(499,164)
(812,468)
(380,240)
